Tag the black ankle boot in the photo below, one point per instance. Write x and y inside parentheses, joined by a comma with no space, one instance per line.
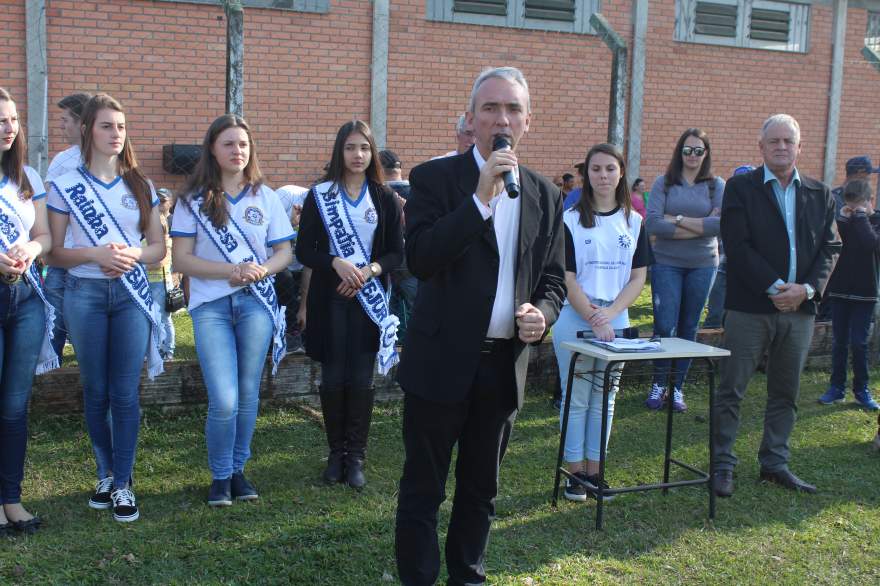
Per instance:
(358,412)
(354,471)
(333,409)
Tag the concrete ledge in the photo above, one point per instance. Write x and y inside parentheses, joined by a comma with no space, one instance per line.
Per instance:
(60,391)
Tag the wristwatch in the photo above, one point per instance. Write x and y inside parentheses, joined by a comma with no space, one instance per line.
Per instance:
(678,219)
(375,268)
(810,291)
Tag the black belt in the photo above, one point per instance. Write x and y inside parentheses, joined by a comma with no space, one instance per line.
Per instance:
(491,345)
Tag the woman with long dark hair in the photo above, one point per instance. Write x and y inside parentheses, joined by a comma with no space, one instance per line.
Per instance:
(112,319)
(26,317)
(350,236)
(606,255)
(231,235)
(684,216)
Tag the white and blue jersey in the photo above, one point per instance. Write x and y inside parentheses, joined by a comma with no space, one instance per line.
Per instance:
(364,218)
(17,226)
(259,215)
(119,201)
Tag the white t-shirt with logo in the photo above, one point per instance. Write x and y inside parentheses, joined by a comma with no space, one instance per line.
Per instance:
(17,227)
(603,256)
(364,218)
(259,215)
(117,199)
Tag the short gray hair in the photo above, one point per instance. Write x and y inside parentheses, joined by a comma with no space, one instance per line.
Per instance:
(460,125)
(511,74)
(783,120)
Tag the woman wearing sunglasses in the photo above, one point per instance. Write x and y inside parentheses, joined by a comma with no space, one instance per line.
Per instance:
(684,217)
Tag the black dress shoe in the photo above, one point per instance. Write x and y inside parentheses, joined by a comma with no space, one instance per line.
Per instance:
(787,479)
(6,529)
(30,526)
(722,483)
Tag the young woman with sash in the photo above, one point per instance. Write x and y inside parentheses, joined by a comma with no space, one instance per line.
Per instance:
(26,317)
(351,237)
(606,255)
(231,234)
(112,319)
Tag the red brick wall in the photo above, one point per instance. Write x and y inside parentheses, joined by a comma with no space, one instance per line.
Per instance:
(14,69)
(859,132)
(308,73)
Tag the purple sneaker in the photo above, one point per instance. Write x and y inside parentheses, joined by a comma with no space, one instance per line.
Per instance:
(656,398)
(678,404)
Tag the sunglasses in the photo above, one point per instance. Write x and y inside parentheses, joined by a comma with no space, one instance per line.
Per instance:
(688,151)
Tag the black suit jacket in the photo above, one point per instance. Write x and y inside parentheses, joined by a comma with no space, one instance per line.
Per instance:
(756,241)
(453,252)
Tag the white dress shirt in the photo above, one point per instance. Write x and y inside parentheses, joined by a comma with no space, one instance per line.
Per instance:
(505,214)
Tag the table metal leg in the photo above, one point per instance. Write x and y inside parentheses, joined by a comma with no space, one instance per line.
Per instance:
(564,430)
(603,444)
(711,436)
(670,389)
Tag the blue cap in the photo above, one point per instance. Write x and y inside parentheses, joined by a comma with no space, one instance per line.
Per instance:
(743,169)
(860,164)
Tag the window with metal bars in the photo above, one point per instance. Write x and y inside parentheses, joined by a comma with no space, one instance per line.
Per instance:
(872,35)
(571,16)
(757,24)
(562,10)
(496,7)
(715,19)
(769,25)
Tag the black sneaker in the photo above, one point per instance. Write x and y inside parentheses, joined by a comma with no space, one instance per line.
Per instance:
(242,489)
(574,491)
(124,507)
(220,493)
(100,501)
(594,480)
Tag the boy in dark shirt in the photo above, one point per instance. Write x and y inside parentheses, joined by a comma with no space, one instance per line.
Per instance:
(852,290)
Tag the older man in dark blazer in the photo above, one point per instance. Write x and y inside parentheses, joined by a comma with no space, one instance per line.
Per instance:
(778,231)
(492,282)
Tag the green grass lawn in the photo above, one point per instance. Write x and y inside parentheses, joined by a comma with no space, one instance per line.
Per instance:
(302,532)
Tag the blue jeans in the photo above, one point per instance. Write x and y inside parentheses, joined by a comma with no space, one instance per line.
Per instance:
(232,336)
(110,335)
(53,287)
(715,309)
(850,322)
(158,291)
(22,326)
(679,295)
(585,412)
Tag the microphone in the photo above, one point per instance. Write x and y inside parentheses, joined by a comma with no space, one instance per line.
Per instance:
(510,184)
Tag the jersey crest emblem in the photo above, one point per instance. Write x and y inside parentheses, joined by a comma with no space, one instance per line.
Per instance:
(129,202)
(370,216)
(254,215)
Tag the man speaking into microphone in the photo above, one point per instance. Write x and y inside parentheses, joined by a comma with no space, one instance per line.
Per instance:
(492,282)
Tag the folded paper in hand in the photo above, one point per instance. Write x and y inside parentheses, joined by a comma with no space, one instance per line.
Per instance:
(628,345)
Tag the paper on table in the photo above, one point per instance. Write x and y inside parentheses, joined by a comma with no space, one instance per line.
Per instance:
(628,345)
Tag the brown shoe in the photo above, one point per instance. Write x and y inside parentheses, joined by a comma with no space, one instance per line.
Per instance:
(786,479)
(722,483)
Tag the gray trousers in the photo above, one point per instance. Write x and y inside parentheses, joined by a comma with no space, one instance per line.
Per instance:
(786,338)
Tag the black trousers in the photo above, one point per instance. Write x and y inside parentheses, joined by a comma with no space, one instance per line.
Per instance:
(346,362)
(481,426)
